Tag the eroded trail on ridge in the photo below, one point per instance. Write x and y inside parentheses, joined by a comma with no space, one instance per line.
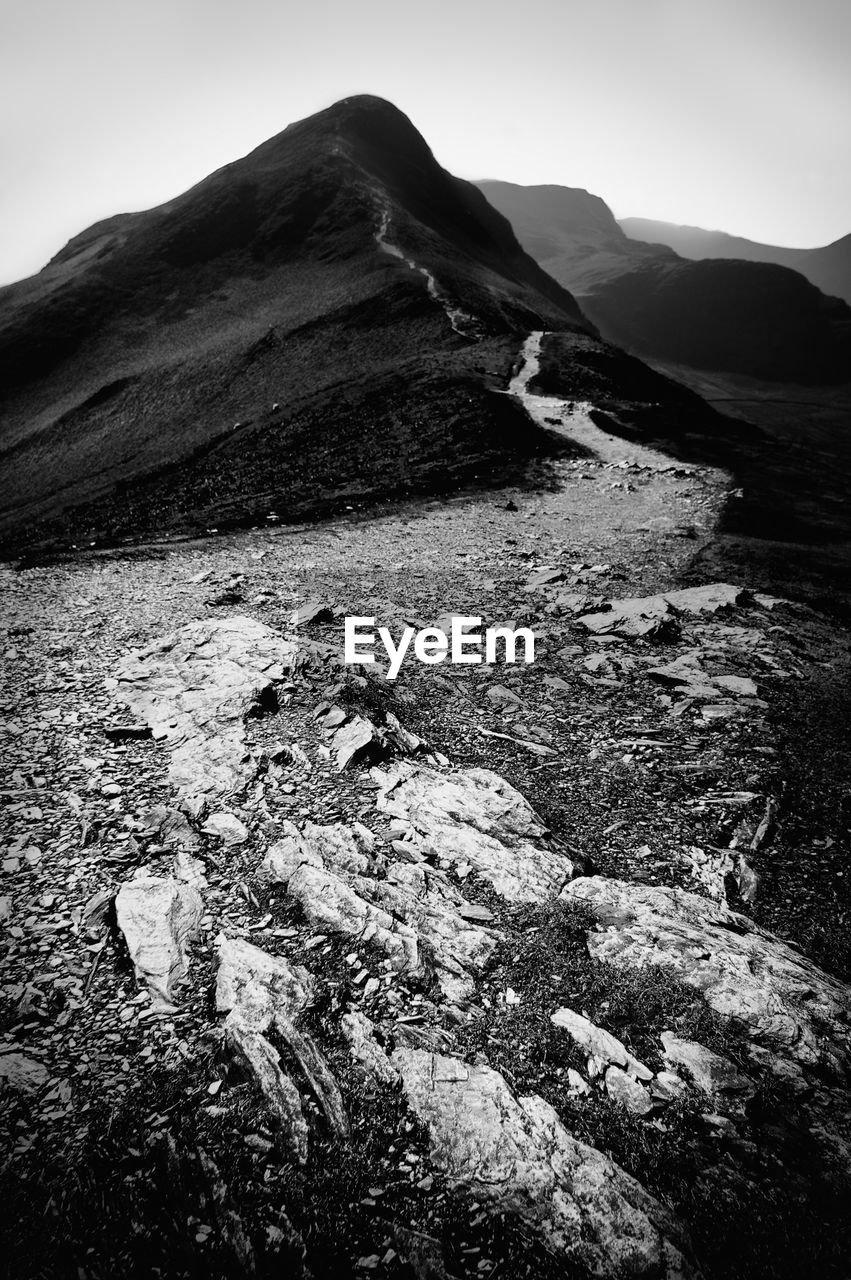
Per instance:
(461,321)
(571,419)
(465,974)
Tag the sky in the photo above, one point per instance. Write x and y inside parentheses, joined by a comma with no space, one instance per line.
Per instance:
(733,115)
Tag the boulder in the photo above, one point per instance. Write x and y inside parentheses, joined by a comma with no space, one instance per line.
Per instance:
(159,916)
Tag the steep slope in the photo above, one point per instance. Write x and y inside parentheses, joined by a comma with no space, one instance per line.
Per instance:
(829,268)
(314,293)
(753,318)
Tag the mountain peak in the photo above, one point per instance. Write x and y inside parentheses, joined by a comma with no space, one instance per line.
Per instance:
(359,103)
(357,111)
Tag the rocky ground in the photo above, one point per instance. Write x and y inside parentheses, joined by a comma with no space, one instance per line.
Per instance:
(490,970)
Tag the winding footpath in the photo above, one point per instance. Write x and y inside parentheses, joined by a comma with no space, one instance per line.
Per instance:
(461,321)
(572,418)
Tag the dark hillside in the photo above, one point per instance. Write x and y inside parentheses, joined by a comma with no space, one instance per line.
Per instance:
(828,267)
(152,334)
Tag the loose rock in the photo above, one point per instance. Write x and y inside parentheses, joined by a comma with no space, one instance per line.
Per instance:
(710,1072)
(599,1043)
(159,917)
(22,1074)
(627,1092)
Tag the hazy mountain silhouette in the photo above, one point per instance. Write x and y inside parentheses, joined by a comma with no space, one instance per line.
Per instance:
(753,318)
(262,297)
(829,268)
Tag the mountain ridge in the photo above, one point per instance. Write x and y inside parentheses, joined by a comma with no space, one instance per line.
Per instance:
(828,266)
(760,319)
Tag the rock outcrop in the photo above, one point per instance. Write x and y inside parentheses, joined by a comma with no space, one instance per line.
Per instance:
(263,996)
(655,617)
(785,1004)
(474,818)
(515,1155)
(195,689)
(410,910)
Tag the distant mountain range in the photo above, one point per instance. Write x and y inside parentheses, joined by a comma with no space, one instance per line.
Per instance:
(829,268)
(755,318)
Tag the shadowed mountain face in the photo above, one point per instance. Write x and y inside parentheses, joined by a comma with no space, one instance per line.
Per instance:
(829,268)
(752,318)
(274,295)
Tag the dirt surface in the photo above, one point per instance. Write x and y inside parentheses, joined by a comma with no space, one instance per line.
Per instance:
(146,1121)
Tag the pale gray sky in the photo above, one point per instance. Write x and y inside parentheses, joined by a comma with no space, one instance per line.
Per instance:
(729,114)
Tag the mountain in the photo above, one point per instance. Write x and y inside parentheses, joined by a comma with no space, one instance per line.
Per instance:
(327,317)
(752,318)
(829,268)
